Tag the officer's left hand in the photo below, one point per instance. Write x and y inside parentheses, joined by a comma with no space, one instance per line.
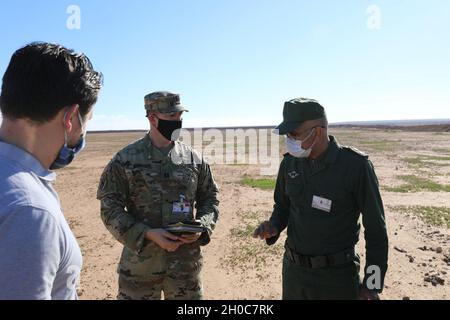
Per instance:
(366,294)
(190,238)
(265,230)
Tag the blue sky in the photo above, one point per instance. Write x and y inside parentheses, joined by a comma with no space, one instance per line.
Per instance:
(235,62)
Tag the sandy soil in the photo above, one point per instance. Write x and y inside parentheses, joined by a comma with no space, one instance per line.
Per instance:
(239,267)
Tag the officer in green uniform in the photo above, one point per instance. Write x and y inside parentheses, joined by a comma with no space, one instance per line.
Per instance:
(150,184)
(321,190)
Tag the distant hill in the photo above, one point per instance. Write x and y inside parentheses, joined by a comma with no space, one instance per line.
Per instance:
(115,131)
(432,125)
(397,123)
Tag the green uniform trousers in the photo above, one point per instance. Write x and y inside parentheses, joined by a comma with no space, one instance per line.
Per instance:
(340,282)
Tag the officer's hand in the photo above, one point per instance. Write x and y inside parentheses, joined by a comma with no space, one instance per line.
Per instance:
(190,238)
(265,230)
(366,294)
(164,239)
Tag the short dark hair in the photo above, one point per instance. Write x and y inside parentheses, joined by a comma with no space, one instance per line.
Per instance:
(43,78)
(324,121)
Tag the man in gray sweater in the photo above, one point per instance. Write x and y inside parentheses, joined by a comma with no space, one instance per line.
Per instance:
(47,97)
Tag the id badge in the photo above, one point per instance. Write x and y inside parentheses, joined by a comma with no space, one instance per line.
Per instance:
(181,206)
(322,204)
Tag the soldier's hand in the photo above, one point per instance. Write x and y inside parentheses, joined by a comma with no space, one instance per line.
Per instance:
(366,294)
(265,230)
(190,238)
(164,239)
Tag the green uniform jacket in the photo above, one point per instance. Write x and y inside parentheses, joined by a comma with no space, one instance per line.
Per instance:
(138,190)
(345,176)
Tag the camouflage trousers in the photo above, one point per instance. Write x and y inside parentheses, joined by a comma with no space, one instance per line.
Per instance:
(168,287)
(176,278)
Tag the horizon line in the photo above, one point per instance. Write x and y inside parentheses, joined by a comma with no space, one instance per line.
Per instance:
(388,123)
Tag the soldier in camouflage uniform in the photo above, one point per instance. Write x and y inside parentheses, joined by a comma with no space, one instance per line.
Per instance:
(154,182)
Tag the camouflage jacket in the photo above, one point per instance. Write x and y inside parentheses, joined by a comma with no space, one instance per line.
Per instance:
(140,186)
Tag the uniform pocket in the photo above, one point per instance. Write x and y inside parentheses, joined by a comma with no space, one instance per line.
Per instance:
(294,189)
(145,185)
(150,263)
(187,260)
(185,179)
(190,176)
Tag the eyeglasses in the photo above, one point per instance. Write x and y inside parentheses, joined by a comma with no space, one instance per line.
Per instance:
(302,136)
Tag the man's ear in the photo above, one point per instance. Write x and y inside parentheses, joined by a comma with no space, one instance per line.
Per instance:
(69,115)
(316,134)
(149,120)
(153,120)
(319,132)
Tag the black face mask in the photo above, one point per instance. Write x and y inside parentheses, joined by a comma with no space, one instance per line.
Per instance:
(168,127)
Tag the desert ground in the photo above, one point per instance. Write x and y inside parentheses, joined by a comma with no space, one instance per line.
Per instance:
(414,173)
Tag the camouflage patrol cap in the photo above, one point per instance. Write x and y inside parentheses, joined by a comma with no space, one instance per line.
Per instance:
(164,102)
(297,111)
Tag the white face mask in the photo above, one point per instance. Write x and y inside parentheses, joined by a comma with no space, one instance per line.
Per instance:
(295,149)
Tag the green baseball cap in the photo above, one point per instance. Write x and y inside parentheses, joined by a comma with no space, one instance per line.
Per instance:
(164,102)
(297,111)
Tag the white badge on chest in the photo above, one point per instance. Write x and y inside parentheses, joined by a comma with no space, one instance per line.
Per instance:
(183,206)
(322,204)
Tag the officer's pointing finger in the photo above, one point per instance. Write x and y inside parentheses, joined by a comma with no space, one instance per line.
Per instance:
(257,232)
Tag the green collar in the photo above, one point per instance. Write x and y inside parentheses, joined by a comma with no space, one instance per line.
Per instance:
(333,150)
(329,156)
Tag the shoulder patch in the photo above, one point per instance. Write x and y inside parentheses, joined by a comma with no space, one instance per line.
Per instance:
(356,151)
